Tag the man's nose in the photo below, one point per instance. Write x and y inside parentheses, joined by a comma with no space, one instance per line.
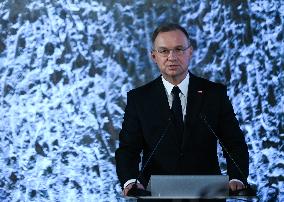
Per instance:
(172,55)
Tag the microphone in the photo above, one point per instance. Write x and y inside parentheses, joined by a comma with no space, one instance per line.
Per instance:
(248,190)
(134,190)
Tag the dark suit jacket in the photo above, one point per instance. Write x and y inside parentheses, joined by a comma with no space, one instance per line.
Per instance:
(147,114)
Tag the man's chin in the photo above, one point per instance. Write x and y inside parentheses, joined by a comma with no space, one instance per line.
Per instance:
(172,71)
(174,74)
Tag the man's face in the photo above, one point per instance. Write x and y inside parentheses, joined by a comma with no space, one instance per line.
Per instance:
(173,66)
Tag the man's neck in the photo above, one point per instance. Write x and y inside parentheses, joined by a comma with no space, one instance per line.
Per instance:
(175,80)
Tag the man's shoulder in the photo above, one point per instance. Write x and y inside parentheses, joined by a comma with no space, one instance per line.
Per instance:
(206,84)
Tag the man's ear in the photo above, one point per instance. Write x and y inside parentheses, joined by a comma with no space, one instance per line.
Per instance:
(190,51)
(153,56)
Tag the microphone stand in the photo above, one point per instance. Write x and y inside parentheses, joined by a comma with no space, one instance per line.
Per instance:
(134,190)
(248,190)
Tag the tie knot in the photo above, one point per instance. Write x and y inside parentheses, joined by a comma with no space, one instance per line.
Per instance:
(176,90)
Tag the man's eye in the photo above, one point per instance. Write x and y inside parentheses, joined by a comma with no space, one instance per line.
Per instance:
(164,51)
(179,49)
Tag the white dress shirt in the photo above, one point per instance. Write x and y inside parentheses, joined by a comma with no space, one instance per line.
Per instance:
(183,86)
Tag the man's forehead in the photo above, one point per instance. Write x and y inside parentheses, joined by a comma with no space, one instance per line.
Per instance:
(176,33)
(172,38)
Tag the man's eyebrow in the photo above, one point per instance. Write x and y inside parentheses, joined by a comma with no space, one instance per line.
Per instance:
(162,47)
(178,46)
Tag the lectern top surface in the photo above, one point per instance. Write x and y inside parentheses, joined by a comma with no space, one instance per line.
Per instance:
(189,186)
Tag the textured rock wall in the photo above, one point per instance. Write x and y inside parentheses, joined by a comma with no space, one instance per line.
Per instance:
(65,68)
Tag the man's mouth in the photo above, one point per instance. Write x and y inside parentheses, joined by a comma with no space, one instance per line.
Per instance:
(172,66)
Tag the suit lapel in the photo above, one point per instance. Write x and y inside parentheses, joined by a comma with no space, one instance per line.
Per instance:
(162,101)
(194,104)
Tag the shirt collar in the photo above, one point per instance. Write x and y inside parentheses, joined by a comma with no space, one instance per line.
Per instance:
(183,86)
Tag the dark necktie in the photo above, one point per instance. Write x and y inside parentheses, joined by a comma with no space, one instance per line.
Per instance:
(177,111)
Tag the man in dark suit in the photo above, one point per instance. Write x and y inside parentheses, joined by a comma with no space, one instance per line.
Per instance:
(175,104)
